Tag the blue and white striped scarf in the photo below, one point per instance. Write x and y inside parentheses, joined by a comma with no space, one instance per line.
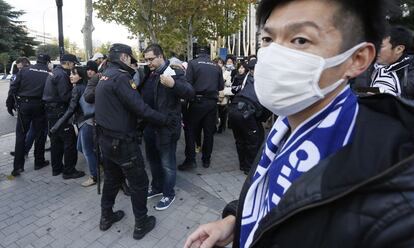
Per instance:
(319,136)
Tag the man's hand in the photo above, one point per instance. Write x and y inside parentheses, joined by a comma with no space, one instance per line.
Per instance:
(10,105)
(167,81)
(10,110)
(52,131)
(214,233)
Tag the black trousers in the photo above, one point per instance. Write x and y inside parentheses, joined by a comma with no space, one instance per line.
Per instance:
(201,115)
(63,147)
(30,111)
(121,160)
(184,108)
(249,135)
(222,115)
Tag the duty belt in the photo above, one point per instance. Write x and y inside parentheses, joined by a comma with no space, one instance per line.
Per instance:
(206,96)
(28,99)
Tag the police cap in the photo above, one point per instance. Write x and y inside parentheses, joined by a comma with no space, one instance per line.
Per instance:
(70,57)
(122,48)
(43,58)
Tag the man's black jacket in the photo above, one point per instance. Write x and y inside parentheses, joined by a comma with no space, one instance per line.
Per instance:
(205,76)
(362,196)
(30,81)
(118,104)
(167,101)
(58,88)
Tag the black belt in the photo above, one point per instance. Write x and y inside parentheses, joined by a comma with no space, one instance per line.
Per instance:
(211,94)
(117,135)
(55,105)
(28,99)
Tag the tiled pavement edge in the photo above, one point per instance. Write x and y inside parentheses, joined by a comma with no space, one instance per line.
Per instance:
(38,210)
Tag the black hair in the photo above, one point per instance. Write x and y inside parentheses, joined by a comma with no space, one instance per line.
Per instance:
(400,35)
(252,56)
(216,60)
(246,68)
(25,61)
(81,71)
(156,49)
(358,20)
(232,57)
(92,65)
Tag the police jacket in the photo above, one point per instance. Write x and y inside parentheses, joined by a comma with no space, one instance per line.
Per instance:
(74,108)
(167,101)
(205,76)
(362,196)
(248,95)
(58,88)
(118,104)
(30,81)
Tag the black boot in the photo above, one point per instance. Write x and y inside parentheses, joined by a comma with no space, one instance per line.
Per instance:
(143,226)
(187,165)
(108,218)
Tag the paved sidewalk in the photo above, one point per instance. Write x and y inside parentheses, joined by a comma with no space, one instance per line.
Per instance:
(38,210)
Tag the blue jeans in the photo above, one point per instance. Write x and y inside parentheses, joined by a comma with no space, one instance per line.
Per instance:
(30,138)
(162,162)
(85,146)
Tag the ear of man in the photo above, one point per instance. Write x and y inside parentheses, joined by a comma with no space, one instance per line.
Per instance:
(361,60)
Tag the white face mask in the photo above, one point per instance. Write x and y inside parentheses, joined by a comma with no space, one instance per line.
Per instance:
(287,80)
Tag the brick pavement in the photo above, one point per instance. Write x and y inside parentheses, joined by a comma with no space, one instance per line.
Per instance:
(38,210)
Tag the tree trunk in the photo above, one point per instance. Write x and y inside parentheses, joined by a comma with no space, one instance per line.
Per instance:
(190,39)
(147,16)
(153,35)
(88,29)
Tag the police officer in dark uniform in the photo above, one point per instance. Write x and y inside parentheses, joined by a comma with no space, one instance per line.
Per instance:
(118,108)
(57,94)
(246,115)
(27,90)
(207,80)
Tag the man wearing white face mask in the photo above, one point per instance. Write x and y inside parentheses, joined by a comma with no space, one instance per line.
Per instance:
(336,171)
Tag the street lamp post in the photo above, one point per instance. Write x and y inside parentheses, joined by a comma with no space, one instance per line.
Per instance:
(59,4)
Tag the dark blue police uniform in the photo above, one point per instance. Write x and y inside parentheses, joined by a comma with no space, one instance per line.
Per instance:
(118,108)
(27,89)
(57,95)
(207,80)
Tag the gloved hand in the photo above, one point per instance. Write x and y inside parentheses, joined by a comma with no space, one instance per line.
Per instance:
(52,131)
(10,104)
(10,110)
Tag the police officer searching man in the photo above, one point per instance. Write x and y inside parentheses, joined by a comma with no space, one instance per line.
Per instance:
(207,80)
(57,94)
(118,108)
(27,90)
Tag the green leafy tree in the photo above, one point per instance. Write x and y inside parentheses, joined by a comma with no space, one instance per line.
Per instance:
(4,59)
(103,48)
(175,24)
(14,38)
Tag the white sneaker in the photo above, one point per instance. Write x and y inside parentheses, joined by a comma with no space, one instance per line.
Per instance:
(89,182)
